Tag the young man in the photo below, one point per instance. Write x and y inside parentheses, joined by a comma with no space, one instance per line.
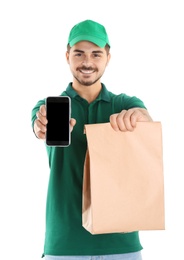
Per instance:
(87,55)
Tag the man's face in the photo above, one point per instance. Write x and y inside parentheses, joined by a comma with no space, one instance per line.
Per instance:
(87,62)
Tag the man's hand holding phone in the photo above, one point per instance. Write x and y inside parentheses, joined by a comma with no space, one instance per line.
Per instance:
(40,124)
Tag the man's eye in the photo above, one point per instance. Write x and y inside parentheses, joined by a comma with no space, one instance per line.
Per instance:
(96,55)
(78,54)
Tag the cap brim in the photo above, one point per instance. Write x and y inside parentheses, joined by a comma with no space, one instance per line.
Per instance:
(99,42)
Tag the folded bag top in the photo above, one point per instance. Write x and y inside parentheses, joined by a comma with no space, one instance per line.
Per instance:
(123,184)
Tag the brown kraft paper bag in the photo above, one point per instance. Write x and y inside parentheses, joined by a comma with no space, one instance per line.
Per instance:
(123,184)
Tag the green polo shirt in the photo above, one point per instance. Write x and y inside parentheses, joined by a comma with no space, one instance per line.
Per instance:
(64,232)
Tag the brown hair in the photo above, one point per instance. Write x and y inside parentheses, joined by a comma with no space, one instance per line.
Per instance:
(107,48)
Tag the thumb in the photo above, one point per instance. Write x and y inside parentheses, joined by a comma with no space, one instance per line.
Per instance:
(72,123)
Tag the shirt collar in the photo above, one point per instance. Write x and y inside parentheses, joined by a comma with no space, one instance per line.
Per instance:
(104,94)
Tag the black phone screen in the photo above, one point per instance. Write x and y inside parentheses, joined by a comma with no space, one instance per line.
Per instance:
(58,116)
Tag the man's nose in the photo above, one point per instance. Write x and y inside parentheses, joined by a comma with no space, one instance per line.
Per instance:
(87,59)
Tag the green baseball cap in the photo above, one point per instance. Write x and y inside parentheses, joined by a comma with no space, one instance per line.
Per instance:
(88,30)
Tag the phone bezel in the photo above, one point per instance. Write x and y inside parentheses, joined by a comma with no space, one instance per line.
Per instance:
(59,99)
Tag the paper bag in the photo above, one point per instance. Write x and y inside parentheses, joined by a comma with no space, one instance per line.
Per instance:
(123,185)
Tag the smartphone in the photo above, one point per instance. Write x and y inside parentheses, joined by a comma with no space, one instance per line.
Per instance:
(58,110)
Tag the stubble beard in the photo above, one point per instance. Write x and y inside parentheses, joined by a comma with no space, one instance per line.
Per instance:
(87,83)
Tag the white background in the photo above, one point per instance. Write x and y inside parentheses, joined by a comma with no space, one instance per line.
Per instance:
(147,39)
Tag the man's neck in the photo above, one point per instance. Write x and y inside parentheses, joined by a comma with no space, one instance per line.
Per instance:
(90,93)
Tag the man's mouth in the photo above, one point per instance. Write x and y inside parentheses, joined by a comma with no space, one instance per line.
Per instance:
(87,71)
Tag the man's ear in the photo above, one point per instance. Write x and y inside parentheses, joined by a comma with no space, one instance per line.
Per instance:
(67,57)
(108,58)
